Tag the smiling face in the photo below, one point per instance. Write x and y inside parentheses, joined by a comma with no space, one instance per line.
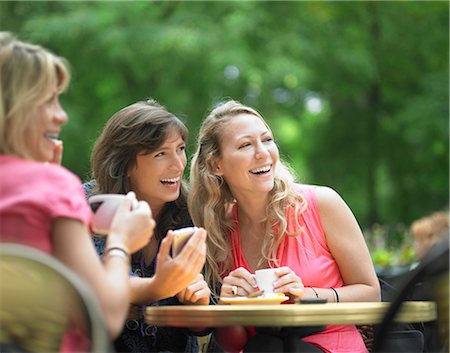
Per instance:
(31,79)
(156,176)
(248,155)
(42,133)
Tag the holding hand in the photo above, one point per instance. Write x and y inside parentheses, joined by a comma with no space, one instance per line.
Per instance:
(288,283)
(175,274)
(131,228)
(239,282)
(196,292)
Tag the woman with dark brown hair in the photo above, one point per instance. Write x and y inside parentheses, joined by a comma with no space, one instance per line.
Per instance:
(142,149)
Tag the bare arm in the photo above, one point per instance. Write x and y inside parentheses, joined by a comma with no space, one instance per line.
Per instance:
(109,280)
(348,247)
(74,247)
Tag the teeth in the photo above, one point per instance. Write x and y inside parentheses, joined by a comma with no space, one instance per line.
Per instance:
(170,180)
(261,170)
(52,136)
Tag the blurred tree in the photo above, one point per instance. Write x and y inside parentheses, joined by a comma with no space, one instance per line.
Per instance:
(383,79)
(356,93)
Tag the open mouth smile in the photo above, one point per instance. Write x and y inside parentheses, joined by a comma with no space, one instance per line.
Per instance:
(170,181)
(262,170)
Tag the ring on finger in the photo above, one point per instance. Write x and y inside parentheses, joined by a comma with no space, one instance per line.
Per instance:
(234,290)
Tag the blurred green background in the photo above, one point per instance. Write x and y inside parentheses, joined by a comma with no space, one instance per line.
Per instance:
(357,93)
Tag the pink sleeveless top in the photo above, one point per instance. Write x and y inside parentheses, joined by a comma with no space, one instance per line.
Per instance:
(307,254)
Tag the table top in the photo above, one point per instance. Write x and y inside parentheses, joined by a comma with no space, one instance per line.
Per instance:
(286,314)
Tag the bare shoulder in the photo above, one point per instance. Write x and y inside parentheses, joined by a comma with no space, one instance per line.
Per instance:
(329,201)
(334,211)
(326,196)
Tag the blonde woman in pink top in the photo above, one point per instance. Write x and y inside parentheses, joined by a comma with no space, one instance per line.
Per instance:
(258,217)
(42,204)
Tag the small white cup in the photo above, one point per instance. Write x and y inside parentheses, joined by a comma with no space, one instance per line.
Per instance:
(104,207)
(265,279)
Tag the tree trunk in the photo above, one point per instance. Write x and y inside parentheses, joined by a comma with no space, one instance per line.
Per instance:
(374,103)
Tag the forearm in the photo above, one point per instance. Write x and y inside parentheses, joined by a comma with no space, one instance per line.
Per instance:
(147,290)
(348,293)
(107,279)
(116,275)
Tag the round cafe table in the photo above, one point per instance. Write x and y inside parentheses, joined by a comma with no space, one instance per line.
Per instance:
(286,314)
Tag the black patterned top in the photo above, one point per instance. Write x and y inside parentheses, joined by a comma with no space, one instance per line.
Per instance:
(137,336)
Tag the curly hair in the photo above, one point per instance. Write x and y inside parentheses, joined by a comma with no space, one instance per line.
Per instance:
(211,201)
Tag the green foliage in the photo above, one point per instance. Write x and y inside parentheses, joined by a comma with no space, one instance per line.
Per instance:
(390,246)
(356,92)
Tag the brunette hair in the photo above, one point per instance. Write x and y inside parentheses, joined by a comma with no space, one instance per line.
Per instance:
(139,127)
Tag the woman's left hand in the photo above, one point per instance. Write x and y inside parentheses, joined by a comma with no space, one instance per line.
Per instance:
(57,152)
(288,283)
(197,292)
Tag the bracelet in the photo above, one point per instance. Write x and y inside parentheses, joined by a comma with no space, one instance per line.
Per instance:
(336,294)
(317,295)
(118,252)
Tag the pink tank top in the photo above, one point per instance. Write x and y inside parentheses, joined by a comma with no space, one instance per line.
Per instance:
(307,254)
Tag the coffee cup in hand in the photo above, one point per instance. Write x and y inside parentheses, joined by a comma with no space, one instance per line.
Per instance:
(265,278)
(104,207)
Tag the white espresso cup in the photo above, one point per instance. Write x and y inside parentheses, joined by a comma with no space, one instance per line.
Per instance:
(104,207)
(265,278)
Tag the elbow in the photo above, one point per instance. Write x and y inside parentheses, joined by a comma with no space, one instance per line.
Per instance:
(377,297)
(376,292)
(115,322)
(115,313)
(115,329)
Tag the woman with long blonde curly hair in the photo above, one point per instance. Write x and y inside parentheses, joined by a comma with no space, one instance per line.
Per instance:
(257,217)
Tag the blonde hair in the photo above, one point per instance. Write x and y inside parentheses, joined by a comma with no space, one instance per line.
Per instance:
(28,76)
(210,199)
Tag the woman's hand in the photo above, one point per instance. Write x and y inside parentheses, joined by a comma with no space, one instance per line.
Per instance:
(174,274)
(131,229)
(197,292)
(288,283)
(57,152)
(239,282)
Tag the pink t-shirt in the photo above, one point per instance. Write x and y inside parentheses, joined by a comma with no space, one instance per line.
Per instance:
(307,254)
(32,195)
